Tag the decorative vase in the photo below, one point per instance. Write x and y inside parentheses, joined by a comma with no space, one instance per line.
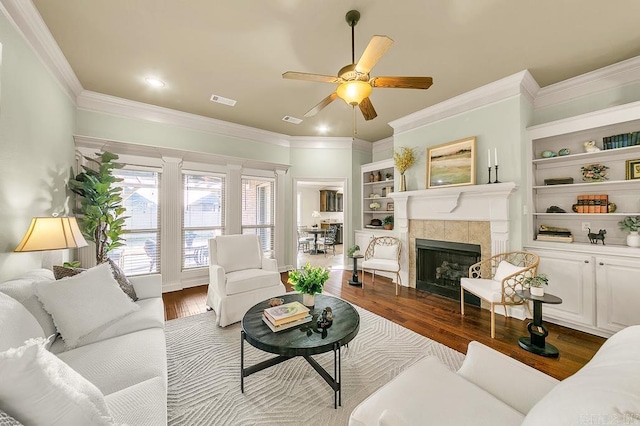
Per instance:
(633,239)
(308,299)
(537,291)
(403,183)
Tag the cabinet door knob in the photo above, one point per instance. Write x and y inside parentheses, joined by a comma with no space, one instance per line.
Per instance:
(586,261)
(601,264)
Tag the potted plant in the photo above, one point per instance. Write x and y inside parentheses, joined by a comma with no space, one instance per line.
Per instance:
(353,251)
(101,211)
(631,224)
(536,284)
(388,176)
(387,223)
(309,281)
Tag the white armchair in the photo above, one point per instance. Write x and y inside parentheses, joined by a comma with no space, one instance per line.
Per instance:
(239,276)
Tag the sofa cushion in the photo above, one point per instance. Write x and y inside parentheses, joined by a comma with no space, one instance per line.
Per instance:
(7,420)
(82,303)
(445,399)
(144,403)
(386,252)
(604,391)
(381,264)
(23,290)
(238,252)
(117,363)
(505,269)
(38,388)
(122,280)
(60,272)
(17,324)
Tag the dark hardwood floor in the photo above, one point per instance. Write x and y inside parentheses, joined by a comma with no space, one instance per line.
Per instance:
(434,317)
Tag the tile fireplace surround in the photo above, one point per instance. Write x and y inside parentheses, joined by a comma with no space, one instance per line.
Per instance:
(475,214)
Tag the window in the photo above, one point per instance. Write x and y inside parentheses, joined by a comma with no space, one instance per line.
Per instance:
(258,212)
(141,252)
(202,216)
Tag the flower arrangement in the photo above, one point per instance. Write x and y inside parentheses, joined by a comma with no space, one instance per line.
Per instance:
(594,173)
(374,206)
(404,158)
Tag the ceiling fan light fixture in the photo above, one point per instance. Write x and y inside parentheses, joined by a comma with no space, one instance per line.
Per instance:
(354,92)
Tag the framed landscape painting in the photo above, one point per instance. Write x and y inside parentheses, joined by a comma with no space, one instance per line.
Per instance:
(452,164)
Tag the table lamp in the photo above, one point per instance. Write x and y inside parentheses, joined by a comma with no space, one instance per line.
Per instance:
(52,233)
(315,214)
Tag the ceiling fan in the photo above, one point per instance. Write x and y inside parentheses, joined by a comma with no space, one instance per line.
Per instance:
(354,81)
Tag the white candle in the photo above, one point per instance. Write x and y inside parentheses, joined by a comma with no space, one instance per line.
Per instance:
(489,157)
(496,154)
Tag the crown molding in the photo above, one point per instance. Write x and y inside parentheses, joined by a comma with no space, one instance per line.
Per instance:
(27,20)
(320,142)
(521,83)
(98,102)
(602,79)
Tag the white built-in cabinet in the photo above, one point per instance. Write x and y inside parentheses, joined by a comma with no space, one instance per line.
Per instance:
(599,284)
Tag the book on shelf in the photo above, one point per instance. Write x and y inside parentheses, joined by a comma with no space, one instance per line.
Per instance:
(288,312)
(556,238)
(287,325)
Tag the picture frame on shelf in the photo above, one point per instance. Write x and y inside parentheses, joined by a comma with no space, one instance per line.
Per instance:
(452,163)
(390,207)
(632,169)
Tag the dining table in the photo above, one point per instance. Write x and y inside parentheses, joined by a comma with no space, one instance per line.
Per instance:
(315,232)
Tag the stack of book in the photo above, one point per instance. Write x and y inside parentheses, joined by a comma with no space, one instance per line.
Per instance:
(593,203)
(285,316)
(552,233)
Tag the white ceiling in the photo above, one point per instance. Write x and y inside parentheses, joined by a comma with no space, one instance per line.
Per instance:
(239,50)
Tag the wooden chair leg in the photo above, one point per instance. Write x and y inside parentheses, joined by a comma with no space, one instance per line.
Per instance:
(505,311)
(397,282)
(461,300)
(493,322)
(529,308)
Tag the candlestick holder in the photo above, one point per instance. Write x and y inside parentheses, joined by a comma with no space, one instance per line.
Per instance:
(489,175)
(495,181)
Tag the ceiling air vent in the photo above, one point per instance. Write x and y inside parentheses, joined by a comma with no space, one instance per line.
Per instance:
(290,119)
(221,100)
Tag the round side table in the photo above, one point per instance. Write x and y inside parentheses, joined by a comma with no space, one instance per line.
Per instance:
(355,280)
(537,331)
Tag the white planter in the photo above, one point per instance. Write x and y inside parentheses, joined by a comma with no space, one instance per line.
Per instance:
(537,291)
(633,239)
(308,299)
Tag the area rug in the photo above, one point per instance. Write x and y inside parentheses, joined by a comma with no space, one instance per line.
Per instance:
(204,374)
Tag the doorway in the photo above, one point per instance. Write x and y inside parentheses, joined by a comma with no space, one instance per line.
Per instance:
(320,222)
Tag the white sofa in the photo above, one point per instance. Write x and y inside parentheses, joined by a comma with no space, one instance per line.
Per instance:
(239,276)
(491,388)
(126,360)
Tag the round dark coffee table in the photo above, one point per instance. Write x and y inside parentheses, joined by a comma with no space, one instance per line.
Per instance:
(303,340)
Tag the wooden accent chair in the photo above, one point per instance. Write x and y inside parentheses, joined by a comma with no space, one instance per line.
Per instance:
(497,278)
(383,254)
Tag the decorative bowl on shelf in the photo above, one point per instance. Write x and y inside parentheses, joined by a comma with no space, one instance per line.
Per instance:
(594,173)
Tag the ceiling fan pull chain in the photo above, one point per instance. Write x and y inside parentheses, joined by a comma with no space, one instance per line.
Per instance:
(355,122)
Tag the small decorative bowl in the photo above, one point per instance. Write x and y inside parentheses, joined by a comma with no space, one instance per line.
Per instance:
(594,173)
(563,152)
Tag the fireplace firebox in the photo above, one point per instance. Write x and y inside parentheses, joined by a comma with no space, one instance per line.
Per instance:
(441,264)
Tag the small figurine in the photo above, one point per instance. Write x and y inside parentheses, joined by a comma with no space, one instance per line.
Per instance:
(555,209)
(590,146)
(563,152)
(548,154)
(593,238)
(325,319)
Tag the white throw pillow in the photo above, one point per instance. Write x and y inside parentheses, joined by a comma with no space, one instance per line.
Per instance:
(386,252)
(239,252)
(38,388)
(505,269)
(18,324)
(84,302)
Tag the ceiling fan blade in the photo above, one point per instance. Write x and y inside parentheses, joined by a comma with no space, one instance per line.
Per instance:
(402,82)
(323,103)
(368,111)
(377,47)
(311,77)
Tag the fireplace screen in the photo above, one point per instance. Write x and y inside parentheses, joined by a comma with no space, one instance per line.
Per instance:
(441,264)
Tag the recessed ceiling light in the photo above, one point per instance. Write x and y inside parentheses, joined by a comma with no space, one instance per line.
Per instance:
(322,129)
(290,119)
(155,82)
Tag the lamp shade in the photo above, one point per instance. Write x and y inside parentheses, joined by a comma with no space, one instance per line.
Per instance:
(353,92)
(52,233)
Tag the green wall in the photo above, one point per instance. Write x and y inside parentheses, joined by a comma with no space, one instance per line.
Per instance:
(498,125)
(37,120)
